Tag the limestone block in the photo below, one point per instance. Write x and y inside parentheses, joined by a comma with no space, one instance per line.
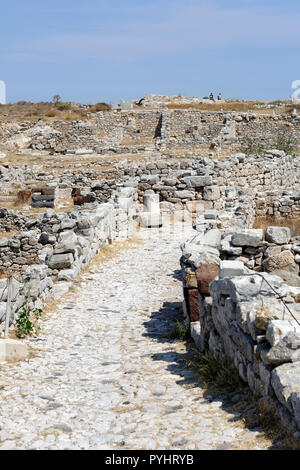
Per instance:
(231,268)
(37,271)
(285,380)
(195,331)
(67,243)
(212,238)
(12,350)
(61,261)
(277,329)
(211,193)
(227,247)
(68,223)
(247,237)
(197,181)
(150,219)
(280,261)
(210,214)
(278,235)
(184,194)
(287,349)
(151,203)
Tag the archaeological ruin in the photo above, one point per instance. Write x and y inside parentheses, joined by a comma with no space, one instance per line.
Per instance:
(220,187)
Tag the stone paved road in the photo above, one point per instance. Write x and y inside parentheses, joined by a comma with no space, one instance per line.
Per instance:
(104,376)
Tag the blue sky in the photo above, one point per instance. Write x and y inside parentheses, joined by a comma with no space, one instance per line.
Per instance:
(104,50)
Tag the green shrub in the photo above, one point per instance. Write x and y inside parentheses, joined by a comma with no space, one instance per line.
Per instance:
(179,331)
(63,106)
(26,323)
(251,147)
(287,143)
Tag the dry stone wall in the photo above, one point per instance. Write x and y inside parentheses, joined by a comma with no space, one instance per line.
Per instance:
(58,248)
(167,130)
(238,305)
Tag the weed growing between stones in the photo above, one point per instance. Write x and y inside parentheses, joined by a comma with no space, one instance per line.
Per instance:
(220,377)
(287,143)
(217,373)
(262,413)
(179,331)
(250,147)
(26,324)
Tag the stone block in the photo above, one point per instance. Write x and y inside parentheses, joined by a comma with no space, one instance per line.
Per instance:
(61,261)
(41,197)
(42,204)
(48,191)
(151,203)
(184,194)
(287,349)
(80,200)
(212,238)
(231,269)
(191,281)
(211,193)
(280,261)
(191,297)
(278,235)
(277,329)
(247,237)
(12,350)
(197,181)
(205,274)
(195,331)
(285,380)
(210,214)
(150,219)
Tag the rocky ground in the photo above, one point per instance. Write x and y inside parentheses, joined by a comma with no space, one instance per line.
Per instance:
(103,373)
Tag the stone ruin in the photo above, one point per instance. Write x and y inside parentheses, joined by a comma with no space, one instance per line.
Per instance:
(241,285)
(241,290)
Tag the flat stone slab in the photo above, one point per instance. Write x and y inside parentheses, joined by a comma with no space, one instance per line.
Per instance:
(278,235)
(231,268)
(248,237)
(210,214)
(150,219)
(12,350)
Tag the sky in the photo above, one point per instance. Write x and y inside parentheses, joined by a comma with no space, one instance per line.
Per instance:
(90,51)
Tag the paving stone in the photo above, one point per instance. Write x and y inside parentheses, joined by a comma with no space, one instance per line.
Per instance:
(117,315)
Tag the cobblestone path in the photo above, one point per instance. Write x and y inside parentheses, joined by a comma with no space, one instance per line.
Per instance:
(104,375)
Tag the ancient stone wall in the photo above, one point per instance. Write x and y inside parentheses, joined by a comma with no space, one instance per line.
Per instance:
(167,129)
(239,304)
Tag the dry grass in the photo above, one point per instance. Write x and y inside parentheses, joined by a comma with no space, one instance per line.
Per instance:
(263,413)
(266,221)
(66,111)
(219,376)
(228,106)
(240,106)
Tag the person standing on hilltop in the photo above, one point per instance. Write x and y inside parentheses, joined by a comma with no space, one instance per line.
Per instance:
(211,97)
(219,96)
